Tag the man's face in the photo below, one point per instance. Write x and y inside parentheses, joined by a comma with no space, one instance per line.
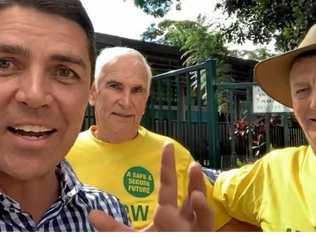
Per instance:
(120,99)
(44,88)
(303,92)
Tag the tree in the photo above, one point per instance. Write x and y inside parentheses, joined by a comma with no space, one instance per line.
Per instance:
(257,54)
(287,21)
(260,21)
(157,8)
(197,44)
(193,38)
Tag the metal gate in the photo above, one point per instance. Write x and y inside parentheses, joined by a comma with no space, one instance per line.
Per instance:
(213,119)
(180,106)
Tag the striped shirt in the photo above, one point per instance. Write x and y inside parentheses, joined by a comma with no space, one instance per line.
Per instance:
(68,213)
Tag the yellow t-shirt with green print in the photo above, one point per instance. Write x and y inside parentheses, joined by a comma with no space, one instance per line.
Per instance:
(131,171)
(277,192)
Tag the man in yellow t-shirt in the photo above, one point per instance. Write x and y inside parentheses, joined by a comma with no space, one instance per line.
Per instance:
(120,156)
(132,178)
(277,192)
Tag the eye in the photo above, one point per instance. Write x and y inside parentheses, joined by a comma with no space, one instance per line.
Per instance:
(65,74)
(302,92)
(7,66)
(138,90)
(115,86)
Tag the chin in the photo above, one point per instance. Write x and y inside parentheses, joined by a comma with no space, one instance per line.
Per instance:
(27,168)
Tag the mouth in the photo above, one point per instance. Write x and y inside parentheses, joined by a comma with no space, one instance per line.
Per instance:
(31,131)
(122,115)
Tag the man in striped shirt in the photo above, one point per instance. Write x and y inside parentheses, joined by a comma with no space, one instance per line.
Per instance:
(47,59)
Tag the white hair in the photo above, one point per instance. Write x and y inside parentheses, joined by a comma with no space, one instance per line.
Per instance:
(108,55)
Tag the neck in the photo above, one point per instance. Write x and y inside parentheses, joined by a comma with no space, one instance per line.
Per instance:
(34,196)
(114,137)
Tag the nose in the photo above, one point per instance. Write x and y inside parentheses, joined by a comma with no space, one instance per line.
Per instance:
(125,99)
(33,90)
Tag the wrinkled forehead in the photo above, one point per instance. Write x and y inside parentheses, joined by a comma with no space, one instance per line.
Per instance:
(124,67)
(303,66)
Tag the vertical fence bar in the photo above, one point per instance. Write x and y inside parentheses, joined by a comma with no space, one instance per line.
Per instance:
(250,119)
(188,98)
(199,116)
(179,106)
(213,133)
(168,105)
(286,134)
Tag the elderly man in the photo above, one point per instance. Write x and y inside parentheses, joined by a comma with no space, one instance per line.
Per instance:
(47,57)
(117,154)
(277,192)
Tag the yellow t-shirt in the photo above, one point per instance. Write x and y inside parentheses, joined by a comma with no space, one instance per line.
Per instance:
(131,171)
(277,192)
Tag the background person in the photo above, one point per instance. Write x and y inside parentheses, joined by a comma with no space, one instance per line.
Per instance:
(117,154)
(277,192)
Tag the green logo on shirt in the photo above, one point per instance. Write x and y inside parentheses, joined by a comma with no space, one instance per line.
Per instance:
(138,182)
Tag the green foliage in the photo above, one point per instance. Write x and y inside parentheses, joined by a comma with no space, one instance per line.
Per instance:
(157,8)
(287,21)
(257,54)
(193,38)
(197,44)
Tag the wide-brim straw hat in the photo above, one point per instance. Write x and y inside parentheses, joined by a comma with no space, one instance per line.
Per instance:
(272,74)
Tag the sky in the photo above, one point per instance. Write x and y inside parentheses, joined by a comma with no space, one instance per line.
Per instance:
(122,18)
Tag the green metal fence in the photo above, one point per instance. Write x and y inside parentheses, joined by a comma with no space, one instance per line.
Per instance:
(181,106)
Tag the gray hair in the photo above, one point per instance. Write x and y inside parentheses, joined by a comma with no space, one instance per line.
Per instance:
(108,55)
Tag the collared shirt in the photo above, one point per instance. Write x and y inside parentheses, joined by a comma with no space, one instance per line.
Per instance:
(69,212)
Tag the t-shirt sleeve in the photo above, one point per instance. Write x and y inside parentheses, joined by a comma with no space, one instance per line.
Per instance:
(240,192)
(220,215)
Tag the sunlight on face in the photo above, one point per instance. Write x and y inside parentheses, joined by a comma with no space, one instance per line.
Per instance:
(120,99)
(303,93)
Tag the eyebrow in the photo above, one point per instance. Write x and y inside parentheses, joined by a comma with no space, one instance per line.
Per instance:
(19,50)
(70,59)
(14,49)
(113,81)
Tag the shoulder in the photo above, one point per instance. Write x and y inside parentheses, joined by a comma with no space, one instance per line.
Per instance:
(97,199)
(274,163)
(285,156)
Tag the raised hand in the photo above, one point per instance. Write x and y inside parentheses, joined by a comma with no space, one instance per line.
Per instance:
(194,215)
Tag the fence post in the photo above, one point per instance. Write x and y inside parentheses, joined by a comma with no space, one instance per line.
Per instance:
(286,134)
(212,115)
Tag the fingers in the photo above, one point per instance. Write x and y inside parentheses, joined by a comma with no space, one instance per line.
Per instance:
(203,215)
(167,218)
(168,178)
(186,210)
(196,178)
(196,183)
(103,222)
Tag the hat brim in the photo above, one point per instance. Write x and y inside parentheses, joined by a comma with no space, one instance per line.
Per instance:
(272,75)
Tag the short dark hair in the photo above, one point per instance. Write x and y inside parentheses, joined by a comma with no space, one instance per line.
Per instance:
(69,9)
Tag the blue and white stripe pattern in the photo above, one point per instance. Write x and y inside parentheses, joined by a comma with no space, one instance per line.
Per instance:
(68,213)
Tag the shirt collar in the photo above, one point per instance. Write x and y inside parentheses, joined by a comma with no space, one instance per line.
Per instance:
(68,183)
